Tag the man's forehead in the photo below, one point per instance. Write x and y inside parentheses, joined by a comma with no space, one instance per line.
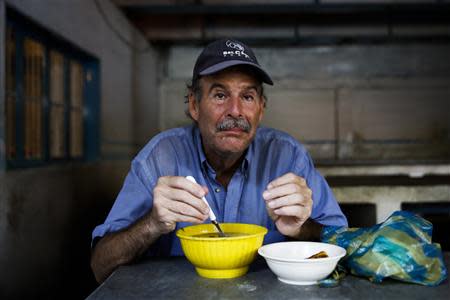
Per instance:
(242,86)
(231,77)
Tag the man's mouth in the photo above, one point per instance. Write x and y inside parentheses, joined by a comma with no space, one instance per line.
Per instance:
(235,129)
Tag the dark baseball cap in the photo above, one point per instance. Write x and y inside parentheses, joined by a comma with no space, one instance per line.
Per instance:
(225,53)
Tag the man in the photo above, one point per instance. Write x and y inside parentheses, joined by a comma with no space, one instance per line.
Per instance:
(247,173)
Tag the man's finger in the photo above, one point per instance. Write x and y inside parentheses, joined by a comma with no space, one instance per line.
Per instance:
(180,182)
(173,216)
(182,196)
(297,211)
(284,190)
(181,208)
(272,215)
(285,179)
(294,199)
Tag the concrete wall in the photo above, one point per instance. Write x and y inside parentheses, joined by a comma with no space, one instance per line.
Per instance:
(388,199)
(380,102)
(46,219)
(47,213)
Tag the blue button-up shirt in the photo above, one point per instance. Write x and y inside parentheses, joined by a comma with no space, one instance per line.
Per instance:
(179,152)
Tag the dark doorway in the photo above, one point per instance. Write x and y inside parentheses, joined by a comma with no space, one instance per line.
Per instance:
(438,213)
(359,214)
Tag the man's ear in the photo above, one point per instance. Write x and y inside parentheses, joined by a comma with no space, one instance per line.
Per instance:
(193,106)
(263,108)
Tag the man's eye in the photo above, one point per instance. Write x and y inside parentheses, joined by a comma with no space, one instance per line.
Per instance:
(220,96)
(249,97)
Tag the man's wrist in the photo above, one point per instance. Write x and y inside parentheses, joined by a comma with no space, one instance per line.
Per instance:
(149,228)
(309,231)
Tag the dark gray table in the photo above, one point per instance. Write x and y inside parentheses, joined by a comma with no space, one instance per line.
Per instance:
(175,278)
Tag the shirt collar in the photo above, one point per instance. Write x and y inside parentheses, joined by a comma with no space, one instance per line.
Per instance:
(206,167)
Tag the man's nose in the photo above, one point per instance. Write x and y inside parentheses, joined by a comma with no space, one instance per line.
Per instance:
(235,106)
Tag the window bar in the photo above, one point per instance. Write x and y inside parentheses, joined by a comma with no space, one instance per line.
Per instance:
(11,147)
(39,98)
(66,66)
(76,110)
(27,98)
(46,99)
(20,77)
(57,130)
(32,99)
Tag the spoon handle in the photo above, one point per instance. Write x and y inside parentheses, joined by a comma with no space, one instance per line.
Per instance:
(212,216)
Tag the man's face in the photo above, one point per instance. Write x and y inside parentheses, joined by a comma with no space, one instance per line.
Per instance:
(229,112)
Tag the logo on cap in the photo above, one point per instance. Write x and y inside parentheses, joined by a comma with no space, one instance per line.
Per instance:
(234,45)
(239,50)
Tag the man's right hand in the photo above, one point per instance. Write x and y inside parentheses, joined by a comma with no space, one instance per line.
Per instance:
(176,199)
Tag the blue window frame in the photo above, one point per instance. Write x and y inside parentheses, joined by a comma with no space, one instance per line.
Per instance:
(51,97)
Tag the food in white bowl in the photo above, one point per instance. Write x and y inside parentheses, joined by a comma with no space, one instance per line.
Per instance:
(291,263)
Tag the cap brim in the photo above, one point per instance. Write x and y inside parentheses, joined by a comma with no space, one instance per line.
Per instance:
(229,63)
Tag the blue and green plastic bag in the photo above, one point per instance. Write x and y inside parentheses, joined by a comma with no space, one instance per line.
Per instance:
(399,248)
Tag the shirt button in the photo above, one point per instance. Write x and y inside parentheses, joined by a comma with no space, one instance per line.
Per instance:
(217,190)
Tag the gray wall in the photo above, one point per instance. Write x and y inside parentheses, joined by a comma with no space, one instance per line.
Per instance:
(47,213)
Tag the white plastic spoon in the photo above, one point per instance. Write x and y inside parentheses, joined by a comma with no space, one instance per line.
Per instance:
(212,216)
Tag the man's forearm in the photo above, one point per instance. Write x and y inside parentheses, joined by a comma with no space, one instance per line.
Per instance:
(122,247)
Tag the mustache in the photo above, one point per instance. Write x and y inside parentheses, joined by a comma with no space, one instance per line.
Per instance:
(231,122)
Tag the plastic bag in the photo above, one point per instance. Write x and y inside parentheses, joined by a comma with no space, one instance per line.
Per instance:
(399,248)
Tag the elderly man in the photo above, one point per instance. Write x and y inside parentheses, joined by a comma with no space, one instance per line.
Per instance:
(247,173)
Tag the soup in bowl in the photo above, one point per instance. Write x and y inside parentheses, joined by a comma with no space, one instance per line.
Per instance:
(221,257)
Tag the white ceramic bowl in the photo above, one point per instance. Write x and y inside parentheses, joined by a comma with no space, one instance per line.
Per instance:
(288,260)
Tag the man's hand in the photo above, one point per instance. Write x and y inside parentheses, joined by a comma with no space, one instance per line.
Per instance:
(289,203)
(176,199)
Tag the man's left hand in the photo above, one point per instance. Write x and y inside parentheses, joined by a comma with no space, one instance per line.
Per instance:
(289,203)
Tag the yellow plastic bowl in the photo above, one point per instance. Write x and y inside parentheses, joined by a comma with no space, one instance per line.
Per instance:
(221,257)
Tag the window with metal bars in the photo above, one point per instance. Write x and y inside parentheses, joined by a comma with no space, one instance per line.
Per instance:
(51,97)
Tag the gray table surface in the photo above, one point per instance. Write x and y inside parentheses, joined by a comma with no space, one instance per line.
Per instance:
(175,278)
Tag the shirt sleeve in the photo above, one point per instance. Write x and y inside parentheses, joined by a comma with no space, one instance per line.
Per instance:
(134,200)
(325,210)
